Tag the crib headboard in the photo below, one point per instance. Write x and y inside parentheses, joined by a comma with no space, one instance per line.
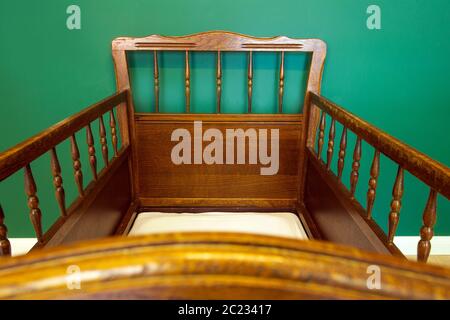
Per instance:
(161,181)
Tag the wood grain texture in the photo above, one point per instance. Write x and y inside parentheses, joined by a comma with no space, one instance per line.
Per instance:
(159,178)
(216,266)
(219,203)
(216,41)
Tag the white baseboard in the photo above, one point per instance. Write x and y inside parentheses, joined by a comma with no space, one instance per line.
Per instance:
(440,245)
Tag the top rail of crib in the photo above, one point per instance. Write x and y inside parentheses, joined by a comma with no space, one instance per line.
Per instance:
(22,154)
(218,41)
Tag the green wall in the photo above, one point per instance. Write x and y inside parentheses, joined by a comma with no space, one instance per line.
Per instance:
(396,78)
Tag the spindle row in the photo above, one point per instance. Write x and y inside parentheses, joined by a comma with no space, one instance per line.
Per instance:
(429,214)
(31,190)
(187,81)
(22,156)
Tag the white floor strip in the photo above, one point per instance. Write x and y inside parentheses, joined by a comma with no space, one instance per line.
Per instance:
(21,246)
(440,245)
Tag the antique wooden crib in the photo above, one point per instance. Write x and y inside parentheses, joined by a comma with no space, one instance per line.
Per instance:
(142,190)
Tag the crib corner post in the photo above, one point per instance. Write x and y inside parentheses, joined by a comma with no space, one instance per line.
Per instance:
(125,110)
(122,83)
(5,245)
(303,146)
(313,85)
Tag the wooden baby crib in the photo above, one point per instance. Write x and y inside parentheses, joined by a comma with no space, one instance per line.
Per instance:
(140,175)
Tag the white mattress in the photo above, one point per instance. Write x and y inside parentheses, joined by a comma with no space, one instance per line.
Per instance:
(281,224)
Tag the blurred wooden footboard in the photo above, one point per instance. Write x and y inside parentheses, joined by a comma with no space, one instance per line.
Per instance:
(216,266)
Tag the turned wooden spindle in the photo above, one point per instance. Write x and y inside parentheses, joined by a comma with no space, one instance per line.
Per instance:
(354,175)
(103,141)
(76,165)
(281,84)
(112,124)
(396,204)
(342,149)
(427,232)
(188,83)
(374,172)
(5,245)
(250,80)
(321,135)
(60,194)
(33,203)
(156,79)
(219,80)
(330,149)
(91,151)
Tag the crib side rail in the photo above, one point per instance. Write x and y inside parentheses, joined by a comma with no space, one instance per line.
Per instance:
(432,173)
(22,155)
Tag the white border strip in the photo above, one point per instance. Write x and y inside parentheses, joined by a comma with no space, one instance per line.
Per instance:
(440,245)
(20,246)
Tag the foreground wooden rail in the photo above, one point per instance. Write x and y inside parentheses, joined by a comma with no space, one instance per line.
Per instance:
(216,266)
(429,171)
(22,155)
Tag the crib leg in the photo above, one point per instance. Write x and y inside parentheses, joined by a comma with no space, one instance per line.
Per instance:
(5,246)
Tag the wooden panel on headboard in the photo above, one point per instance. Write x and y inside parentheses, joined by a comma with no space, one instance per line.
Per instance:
(163,183)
